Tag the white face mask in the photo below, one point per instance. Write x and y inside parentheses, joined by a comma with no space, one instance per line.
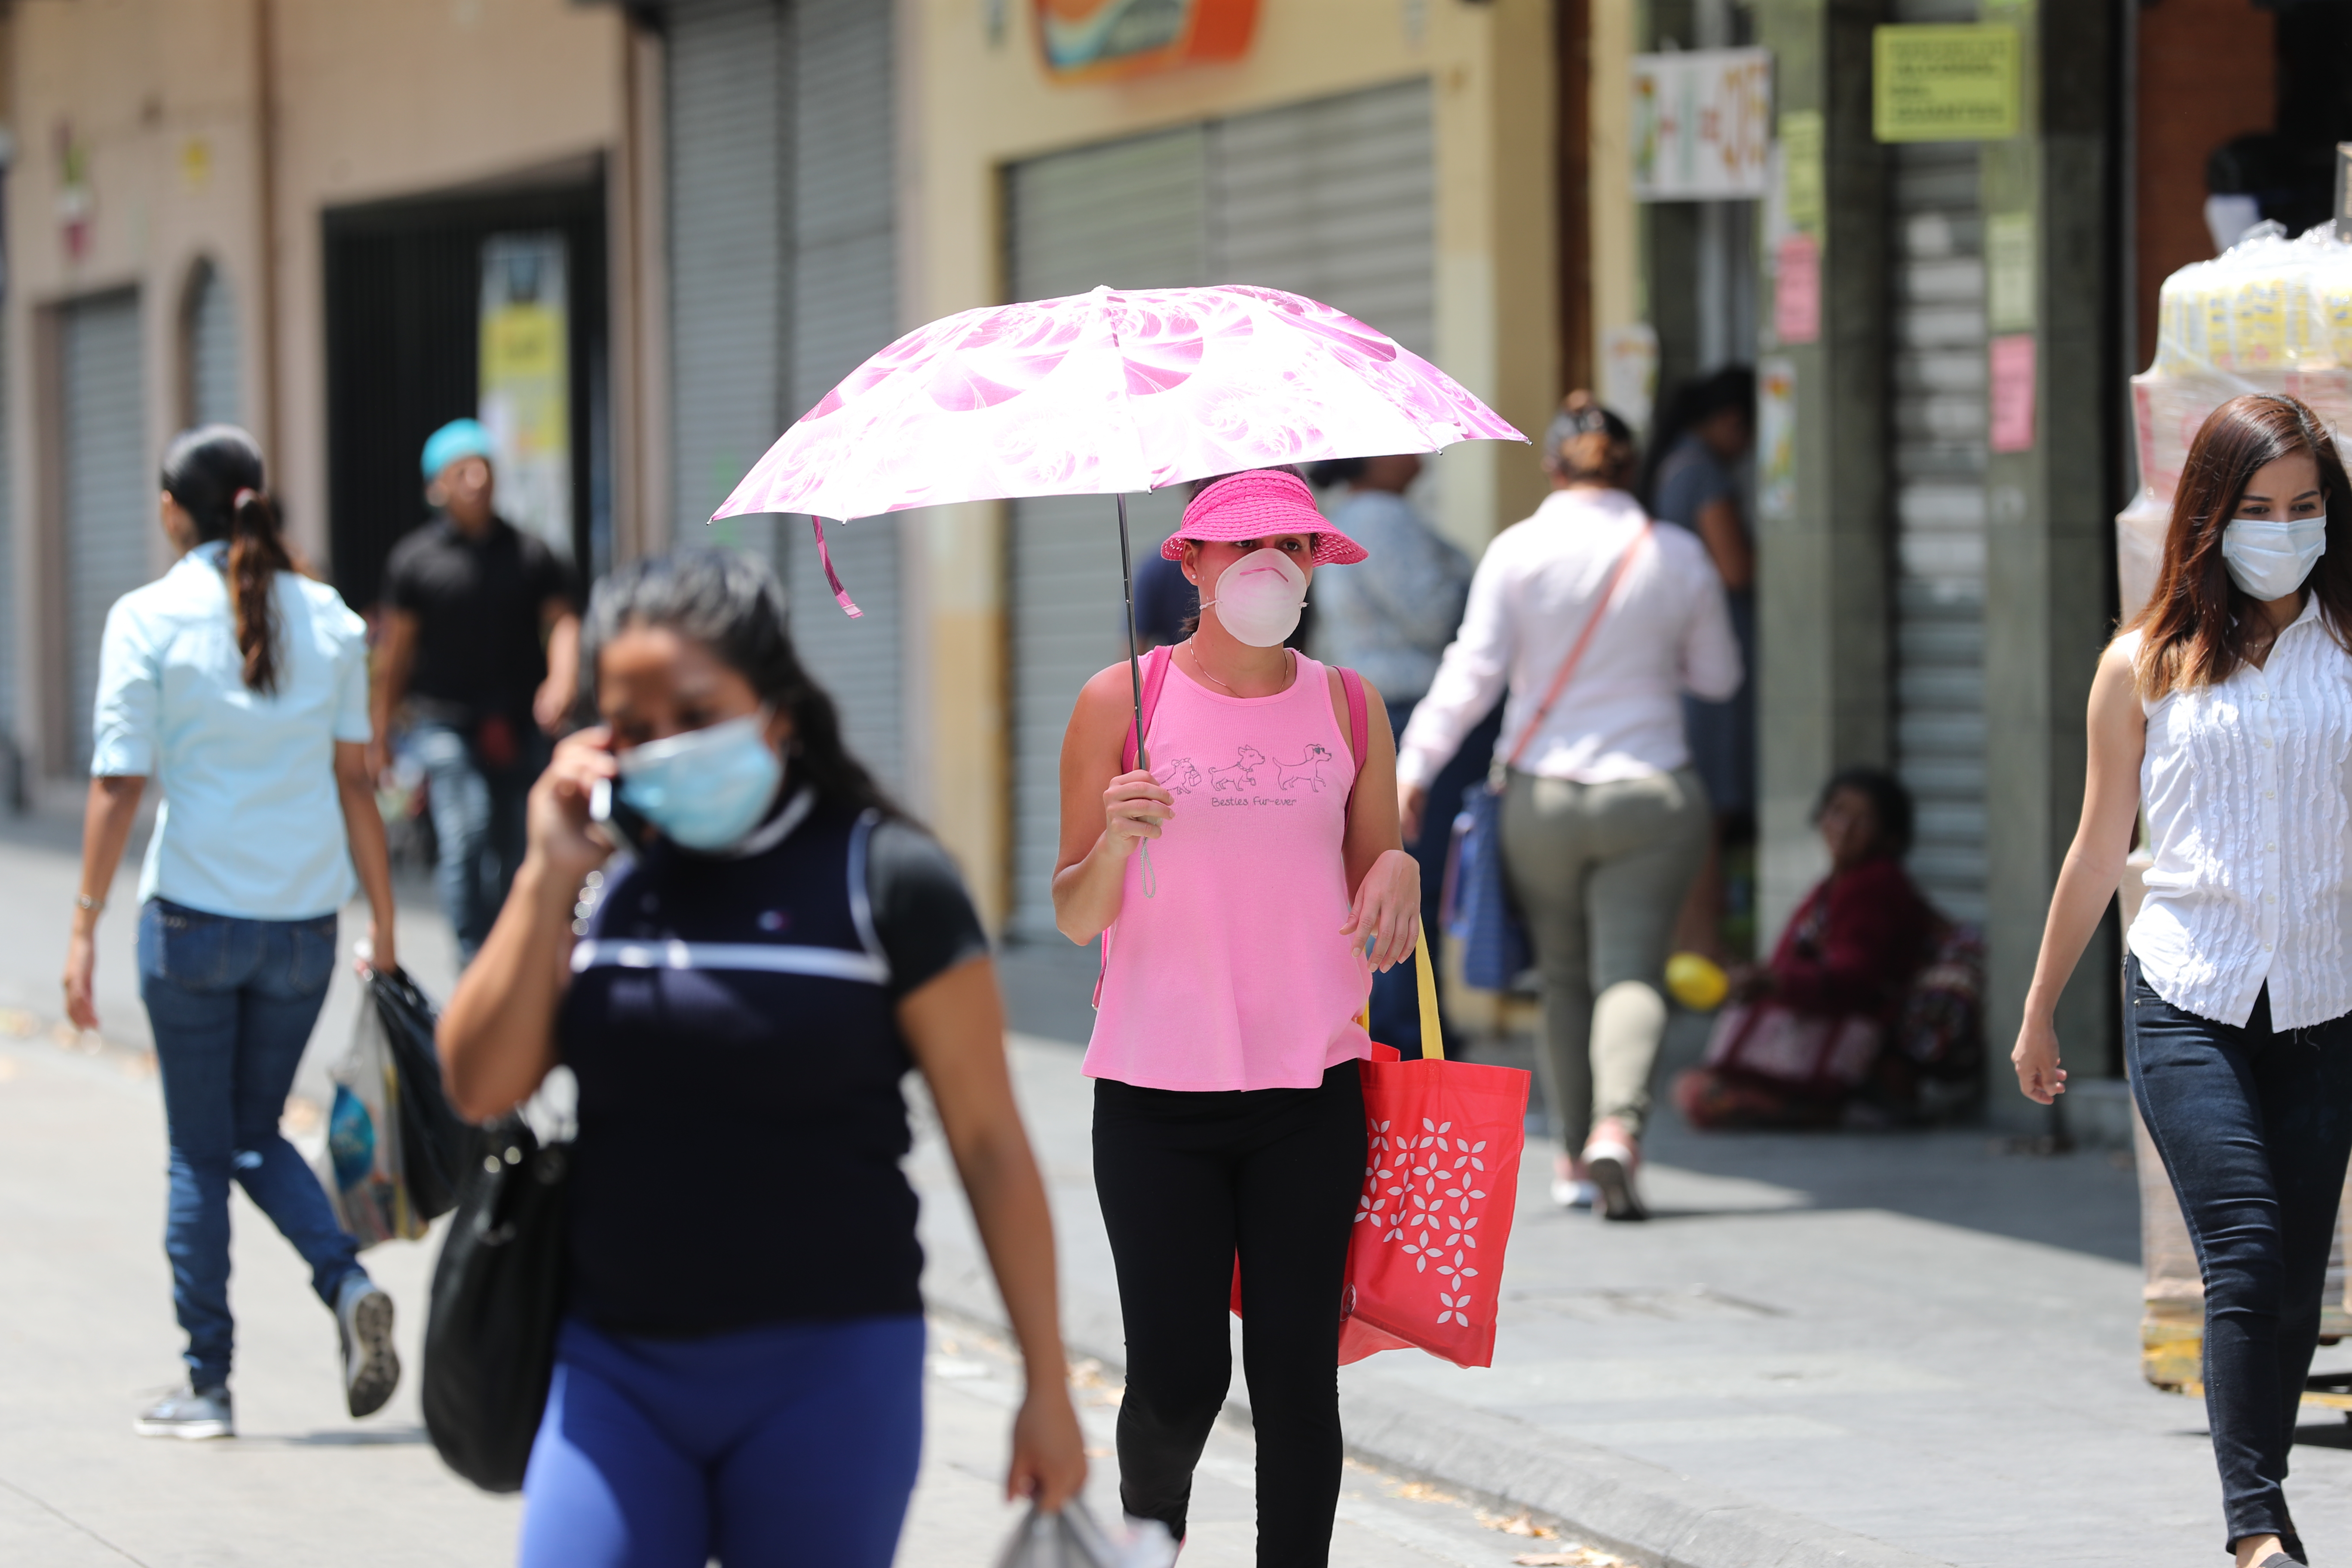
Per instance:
(2269,559)
(1260,597)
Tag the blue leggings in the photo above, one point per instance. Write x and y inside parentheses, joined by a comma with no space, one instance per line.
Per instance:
(791,1445)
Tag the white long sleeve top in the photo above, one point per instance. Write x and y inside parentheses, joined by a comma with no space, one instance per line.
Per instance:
(1620,717)
(2247,784)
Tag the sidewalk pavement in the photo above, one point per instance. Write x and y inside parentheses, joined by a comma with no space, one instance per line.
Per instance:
(1884,1349)
(1887,1351)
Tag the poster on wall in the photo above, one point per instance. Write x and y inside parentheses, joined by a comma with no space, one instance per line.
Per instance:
(1776,440)
(1093,40)
(1702,125)
(1945,82)
(525,392)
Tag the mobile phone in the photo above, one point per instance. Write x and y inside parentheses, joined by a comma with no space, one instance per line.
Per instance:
(624,821)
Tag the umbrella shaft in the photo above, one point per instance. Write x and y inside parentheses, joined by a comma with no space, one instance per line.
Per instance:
(1134,666)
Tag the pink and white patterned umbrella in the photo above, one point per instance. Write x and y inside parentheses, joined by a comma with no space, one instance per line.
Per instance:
(1106,393)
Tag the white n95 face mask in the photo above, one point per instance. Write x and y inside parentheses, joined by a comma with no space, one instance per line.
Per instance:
(2269,559)
(1260,597)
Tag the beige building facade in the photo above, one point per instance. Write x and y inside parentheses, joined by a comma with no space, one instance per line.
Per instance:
(178,167)
(237,208)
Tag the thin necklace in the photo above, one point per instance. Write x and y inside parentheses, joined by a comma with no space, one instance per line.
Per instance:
(1289,666)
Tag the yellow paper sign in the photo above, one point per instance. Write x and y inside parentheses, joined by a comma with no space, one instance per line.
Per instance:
(1945,83)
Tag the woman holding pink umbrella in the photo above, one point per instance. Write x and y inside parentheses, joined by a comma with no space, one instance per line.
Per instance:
(1238,950)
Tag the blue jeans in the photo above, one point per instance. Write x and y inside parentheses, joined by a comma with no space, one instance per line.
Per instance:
(795,1443)
(478,821)
(232,1002)
(2254,1127)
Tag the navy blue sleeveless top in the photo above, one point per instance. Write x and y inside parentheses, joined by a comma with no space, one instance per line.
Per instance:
(732,1020)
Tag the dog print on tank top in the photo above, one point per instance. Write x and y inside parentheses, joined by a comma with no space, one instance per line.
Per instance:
(1232,972)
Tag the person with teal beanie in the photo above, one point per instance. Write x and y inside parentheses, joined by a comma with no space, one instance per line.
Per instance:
(479,653)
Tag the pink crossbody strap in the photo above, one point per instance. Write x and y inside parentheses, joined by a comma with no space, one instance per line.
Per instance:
(1584,640)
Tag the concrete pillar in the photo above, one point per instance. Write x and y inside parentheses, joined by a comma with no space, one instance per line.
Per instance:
(2049,587)
(1824,568)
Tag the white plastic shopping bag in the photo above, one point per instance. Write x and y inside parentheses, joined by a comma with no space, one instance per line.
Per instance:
(361,1165)
(1071,1539)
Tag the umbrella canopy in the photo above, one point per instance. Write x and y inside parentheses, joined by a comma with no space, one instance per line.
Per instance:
(1104,393)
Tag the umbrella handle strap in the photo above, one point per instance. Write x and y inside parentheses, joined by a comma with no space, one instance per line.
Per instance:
(824,559)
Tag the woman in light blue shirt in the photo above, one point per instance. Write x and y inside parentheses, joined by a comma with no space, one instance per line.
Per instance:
(240,687)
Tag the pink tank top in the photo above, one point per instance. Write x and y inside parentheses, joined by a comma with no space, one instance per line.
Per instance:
(1234,975)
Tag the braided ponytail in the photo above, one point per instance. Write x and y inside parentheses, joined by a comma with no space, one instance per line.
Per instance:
(256,553)
(215,473)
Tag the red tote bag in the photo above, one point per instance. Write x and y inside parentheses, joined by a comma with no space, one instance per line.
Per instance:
(1442,1141)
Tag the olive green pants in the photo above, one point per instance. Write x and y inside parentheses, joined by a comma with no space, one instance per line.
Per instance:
(1599,873)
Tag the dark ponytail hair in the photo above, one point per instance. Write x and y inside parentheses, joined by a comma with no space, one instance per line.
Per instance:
(216,475)
(1588,444)
(733,604)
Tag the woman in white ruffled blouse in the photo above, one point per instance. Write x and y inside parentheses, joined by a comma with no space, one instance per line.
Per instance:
(2225,711)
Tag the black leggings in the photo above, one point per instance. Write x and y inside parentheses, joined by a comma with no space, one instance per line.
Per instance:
(1186,1180)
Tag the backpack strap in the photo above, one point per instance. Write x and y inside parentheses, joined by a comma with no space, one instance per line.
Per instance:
(1155,676)
(1359,714)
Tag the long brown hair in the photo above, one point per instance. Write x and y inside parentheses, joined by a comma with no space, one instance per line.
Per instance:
(2197,624)
(215,473)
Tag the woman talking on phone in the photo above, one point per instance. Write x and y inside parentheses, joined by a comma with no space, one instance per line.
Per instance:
(739,1372)
(2224,711)
(1239,946)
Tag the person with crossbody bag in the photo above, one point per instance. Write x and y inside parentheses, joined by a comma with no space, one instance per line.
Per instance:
(1596,623)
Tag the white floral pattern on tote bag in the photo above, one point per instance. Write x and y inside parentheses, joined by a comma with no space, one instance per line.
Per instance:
(1423,1193)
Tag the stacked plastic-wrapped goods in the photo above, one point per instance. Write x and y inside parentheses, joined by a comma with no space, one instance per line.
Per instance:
(2270,314)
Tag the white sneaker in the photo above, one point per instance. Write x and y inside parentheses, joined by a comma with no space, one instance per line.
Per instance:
(370,1366)
(187,1412)
(1570,1192)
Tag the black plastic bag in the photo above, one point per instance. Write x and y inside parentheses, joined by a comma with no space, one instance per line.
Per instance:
(498,1295)
(435,1142)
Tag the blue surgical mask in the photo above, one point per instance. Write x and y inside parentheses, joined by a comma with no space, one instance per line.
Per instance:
(708,789)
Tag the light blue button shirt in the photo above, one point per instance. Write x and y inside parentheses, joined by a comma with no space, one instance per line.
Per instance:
(251,824)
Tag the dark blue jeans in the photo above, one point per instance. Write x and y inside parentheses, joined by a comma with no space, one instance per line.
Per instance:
(2254,1127)
(477,822)
(232,1002)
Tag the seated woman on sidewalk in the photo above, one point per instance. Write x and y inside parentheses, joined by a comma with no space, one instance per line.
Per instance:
(1847,958)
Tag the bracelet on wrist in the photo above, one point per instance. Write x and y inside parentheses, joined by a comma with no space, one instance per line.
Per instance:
(84,902)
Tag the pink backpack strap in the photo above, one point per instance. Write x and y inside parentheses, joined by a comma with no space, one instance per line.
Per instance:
(1155,676)
(1359,714)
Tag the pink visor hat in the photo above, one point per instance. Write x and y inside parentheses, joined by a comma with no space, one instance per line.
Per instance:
(1258,504)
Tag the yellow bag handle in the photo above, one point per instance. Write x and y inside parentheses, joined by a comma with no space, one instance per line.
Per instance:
(1432,1032)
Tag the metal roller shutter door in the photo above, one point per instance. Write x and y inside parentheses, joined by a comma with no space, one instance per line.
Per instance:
(12,617)
(1131,214)
(109,502)
(728,250)
(213,391)
(1939,488)
(1334,200)
(1331,199)
(845,307)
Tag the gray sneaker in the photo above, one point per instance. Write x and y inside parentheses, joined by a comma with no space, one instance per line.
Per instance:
(370,1366)
(188,1412)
